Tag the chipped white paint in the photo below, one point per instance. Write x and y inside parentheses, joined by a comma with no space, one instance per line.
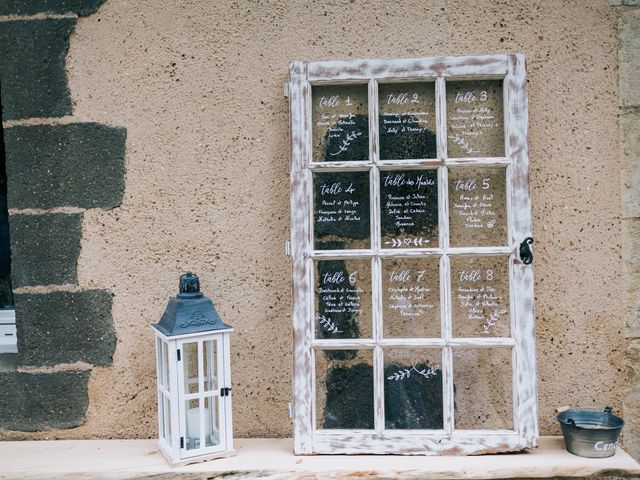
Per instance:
(308,439)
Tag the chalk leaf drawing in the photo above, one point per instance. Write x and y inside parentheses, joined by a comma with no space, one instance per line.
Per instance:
(328,325)
(492,320)
(347,142)
(405,373)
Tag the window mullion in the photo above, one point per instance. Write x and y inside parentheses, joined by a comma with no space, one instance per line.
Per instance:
(445,270)
(447,357)
(441,119)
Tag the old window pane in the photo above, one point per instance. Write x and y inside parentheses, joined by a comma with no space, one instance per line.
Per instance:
(409,208)
(477,207)
(407,123)
(480,296)
(343,298)
(341,210)
(344,389)
(475,119)
(413,388)
(411,297)
(340,127)
(483,380)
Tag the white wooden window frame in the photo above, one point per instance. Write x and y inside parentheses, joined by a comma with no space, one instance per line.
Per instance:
(308,439)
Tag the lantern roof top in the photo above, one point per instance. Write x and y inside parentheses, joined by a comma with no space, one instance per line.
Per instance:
(190,311)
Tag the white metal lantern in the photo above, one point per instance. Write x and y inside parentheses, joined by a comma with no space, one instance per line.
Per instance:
(194,378)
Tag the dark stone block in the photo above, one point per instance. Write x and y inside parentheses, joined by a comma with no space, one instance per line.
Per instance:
(65,327)
(32,68)
(45,248)
(78,165)
(81,8)
(30,402)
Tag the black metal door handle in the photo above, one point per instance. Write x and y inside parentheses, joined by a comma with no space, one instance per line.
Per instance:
(526,255)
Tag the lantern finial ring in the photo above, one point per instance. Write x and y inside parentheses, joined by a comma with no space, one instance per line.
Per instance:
(189,285)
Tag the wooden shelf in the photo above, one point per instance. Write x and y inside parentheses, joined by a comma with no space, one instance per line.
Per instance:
(272,459)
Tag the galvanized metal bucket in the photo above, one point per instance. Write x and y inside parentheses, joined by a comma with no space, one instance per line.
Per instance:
(590,433)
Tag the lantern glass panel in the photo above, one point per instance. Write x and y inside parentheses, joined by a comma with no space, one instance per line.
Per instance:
(190,361)
(165,365)
(159,365)
(167,419)
(193,424)
(212,427)
(210,364)
(162,416)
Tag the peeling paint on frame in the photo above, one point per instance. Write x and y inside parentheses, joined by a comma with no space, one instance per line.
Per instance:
(308,440)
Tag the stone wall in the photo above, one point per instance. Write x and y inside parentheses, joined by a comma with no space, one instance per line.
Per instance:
(57,168)
(629,101)
(198,86)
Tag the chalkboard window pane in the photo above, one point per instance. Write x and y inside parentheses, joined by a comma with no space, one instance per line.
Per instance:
(477,207)
(340,123)
(411,297)
(341,210)
(480,296)
(413,388)
(343,298)
(475,119)
(407,122)
(483,382)
(409,208)
(344,389)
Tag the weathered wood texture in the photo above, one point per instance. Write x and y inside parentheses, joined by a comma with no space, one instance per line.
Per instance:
(449,440)
(271,458)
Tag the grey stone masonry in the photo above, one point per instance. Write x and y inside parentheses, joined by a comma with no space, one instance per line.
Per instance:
(39,401)
(78,165)
(65,327)
(622,3)
(31,7)
(629,101)
(33,81)
(630,175)
(629,57)
(45,249)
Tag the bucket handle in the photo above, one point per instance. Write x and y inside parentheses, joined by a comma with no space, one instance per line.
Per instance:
(608,410)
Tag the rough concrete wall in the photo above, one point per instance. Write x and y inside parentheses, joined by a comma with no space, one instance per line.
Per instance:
(198,85)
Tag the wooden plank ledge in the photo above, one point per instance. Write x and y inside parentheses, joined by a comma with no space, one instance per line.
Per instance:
(272,459)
